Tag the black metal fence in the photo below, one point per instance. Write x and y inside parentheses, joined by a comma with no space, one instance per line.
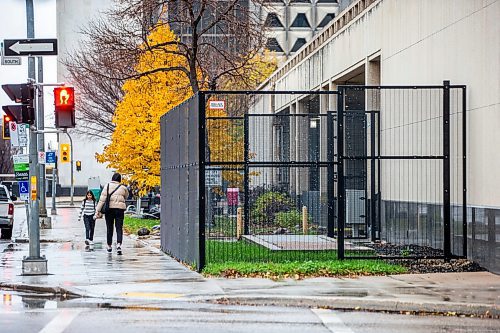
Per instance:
(181,198)
(362,172)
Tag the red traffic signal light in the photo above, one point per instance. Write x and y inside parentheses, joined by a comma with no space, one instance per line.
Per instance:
(6,128)
(64,102)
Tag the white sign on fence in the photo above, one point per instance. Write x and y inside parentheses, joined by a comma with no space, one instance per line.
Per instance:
(217,105)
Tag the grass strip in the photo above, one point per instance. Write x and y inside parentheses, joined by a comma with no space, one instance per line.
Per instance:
(132,224)
(243,251)
(302,269)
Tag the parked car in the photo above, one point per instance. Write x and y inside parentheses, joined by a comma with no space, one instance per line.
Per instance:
(6,212)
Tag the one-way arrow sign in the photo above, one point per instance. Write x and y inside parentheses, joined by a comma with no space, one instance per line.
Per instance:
(29,47)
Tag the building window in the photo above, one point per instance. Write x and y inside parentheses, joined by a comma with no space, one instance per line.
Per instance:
(273,45)
(326,1)
(326,20)
(273,21)
(298,44)
(300,1)
(301,22)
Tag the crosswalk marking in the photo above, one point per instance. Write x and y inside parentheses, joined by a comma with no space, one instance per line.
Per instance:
(61,321)
(332,321)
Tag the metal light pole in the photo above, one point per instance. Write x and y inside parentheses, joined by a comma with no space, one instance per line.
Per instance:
(34,264)
(53,210)
(45,221)
(72,190)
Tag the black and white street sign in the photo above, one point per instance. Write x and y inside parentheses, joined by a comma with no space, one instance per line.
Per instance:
(29,47)
(11,60)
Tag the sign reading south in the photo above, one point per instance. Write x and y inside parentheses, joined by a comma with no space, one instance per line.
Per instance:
(29,47)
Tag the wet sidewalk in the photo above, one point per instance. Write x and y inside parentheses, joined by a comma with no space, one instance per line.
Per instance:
(145,276)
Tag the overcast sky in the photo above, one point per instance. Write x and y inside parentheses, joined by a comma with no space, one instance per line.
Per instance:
(13,25)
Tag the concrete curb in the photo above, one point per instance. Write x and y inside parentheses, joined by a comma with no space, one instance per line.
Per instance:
(54,290)
(345,303)
(334,303)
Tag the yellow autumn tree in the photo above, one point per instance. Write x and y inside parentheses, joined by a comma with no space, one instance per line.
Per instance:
(226,136)
(134,150)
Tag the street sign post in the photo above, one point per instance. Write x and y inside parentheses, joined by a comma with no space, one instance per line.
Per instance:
(29,47)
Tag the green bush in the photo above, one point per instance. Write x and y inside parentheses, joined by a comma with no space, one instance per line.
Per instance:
(268,205)
(290,220)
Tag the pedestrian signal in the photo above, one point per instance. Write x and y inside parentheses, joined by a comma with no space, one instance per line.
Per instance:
(64,102)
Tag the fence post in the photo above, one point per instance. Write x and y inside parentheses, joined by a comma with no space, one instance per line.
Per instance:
(201,185)
(246,176)
(340,174)
(446,169)
(373,223)
(331,174)
(464,169)
(239,223)
(305,224)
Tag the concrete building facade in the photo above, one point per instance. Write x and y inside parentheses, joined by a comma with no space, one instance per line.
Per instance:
(293,23)
(418,42)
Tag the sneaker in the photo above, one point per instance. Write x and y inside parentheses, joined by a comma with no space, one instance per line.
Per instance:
(109,249)
(119,250)
(87,242)
(91,242)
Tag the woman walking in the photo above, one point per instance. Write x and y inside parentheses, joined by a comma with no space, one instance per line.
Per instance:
(88,211)
(114,216)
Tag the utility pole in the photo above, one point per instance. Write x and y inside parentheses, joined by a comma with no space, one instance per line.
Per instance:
(34,264)
(45,221)
(72,189)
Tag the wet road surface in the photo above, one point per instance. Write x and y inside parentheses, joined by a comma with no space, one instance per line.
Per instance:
(27,312)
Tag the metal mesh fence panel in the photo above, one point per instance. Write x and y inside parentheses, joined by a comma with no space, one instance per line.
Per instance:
(180,185)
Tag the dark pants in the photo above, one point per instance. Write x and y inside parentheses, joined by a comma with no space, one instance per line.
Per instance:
(89,226)
(115,216)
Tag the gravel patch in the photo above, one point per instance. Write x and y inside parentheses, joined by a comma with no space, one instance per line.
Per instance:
(423,262)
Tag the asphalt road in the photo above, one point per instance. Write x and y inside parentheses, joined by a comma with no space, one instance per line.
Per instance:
(24,312)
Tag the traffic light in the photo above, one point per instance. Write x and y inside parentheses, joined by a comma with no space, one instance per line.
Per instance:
(64,102)
(65,152)
(6,128)
(78,165)
(24,94)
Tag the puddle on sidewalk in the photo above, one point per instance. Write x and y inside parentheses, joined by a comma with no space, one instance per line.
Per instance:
(15,301)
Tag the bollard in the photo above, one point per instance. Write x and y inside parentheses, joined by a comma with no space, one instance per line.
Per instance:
(239,223)
(305,225)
